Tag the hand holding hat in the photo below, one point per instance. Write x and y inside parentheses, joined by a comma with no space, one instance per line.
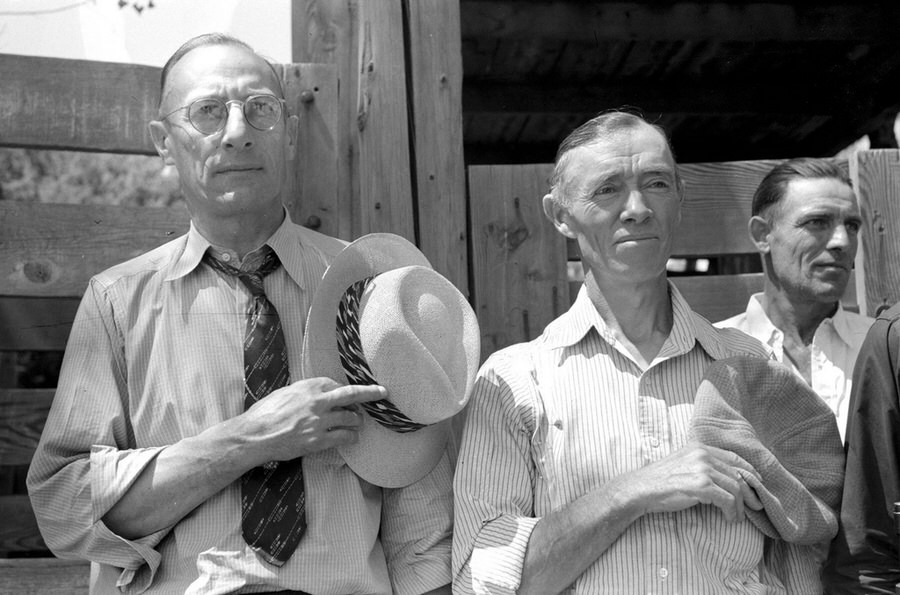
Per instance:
(382,315)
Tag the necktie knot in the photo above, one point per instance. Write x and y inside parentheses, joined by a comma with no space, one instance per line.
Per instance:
(252,279)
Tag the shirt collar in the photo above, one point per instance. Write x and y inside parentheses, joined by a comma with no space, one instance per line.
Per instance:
(759,325)
(687,327)
(283,242)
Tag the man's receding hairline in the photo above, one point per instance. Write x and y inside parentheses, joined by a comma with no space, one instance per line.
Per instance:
(225,41)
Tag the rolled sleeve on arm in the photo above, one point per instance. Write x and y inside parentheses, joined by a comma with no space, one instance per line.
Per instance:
(417,529)
(84,464)
(493,488)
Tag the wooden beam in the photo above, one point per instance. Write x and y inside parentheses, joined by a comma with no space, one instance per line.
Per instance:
(76,104)
(326,32)
(44,576)
(51,250)
(23,413)
(588,22)
(436,109)
(386,192)
(312,192)
(795,97)
(36,324)
(876,178)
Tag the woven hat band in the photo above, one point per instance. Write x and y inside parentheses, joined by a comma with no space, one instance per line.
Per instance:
(354,363)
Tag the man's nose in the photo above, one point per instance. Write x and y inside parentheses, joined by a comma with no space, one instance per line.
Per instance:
(636,208)
(841,238)
(235,135)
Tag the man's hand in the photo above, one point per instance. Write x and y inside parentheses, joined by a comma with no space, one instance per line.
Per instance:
(695,474)
(307,416)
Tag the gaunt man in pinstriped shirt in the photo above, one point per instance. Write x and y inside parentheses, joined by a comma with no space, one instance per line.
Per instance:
(139,468)
(576,474)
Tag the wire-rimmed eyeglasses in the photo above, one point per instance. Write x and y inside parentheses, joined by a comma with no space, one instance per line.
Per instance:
(208,115)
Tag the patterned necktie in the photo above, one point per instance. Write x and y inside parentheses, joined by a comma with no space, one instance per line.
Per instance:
(273,502)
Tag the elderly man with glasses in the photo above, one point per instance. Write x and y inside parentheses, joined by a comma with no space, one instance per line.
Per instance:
(161,461)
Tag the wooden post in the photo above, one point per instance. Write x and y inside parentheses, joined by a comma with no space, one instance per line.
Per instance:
(876,178)
(325,32)
(312,197)
(435,58)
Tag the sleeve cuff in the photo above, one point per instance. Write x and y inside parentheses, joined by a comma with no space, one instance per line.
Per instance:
(499,554)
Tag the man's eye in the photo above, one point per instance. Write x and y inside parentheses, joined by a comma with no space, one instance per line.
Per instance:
(660,184)
(853,226)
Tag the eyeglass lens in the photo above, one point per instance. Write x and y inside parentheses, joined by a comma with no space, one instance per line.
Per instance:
(209,115)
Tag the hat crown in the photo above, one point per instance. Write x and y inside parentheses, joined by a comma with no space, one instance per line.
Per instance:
(414,329)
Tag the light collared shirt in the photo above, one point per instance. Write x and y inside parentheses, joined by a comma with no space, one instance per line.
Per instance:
(155,355)
(552,419)
(834,349)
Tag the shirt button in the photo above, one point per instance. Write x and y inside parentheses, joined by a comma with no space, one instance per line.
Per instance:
(654,441)
(226,257)
(663,572)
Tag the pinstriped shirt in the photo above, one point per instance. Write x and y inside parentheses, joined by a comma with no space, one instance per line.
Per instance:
(554,418)
(156,355)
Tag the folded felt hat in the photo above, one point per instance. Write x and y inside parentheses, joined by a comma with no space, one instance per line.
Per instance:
(762,411)
(382,315)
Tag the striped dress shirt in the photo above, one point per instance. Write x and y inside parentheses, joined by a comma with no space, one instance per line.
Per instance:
(559,416)
(156,355)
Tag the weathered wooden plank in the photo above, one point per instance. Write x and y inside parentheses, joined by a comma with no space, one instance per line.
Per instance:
(385,193)
(51,250)
(36,324)
(436,65)
(588,22)
(44,576)
(326,32)
(77,104)
(311,196)
(19,531)
(518,258)
(718,297)
(876,177)
(23,413)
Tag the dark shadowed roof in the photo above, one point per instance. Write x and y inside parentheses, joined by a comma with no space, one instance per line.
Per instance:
(729,80)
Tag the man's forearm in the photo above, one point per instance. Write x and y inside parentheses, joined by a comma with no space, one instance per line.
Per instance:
(564,544)
(181,478)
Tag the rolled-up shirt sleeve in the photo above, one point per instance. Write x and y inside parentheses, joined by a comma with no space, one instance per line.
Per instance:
(86,459)
(493,487)
(417,529)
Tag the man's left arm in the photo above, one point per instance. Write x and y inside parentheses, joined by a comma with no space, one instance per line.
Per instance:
(417,531)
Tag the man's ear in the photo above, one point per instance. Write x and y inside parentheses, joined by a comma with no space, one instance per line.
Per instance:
(759,229)
(293,125)
(558,215)
(160,137)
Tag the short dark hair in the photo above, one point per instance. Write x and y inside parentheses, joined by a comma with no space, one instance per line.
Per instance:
(207,39)
(605,124)
(774,186)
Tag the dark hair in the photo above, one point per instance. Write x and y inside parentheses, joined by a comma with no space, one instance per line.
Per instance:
(773,187)
(604,124)
(207,39)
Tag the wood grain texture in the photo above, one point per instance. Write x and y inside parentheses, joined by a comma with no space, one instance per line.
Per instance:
(23,413)
(311,194)
(436,77)
(876,177)
(326,32)
(44,576)
(51,250)
(518,257)
(36,324)
(19,531)
(52,103)
(385,193)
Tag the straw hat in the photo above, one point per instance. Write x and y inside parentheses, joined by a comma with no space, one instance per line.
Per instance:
(382,315)
(762,411)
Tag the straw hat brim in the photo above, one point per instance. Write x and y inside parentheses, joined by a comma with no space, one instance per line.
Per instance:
(381,456)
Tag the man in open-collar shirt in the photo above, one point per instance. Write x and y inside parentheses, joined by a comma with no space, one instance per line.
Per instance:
(576,473)
(805,222)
